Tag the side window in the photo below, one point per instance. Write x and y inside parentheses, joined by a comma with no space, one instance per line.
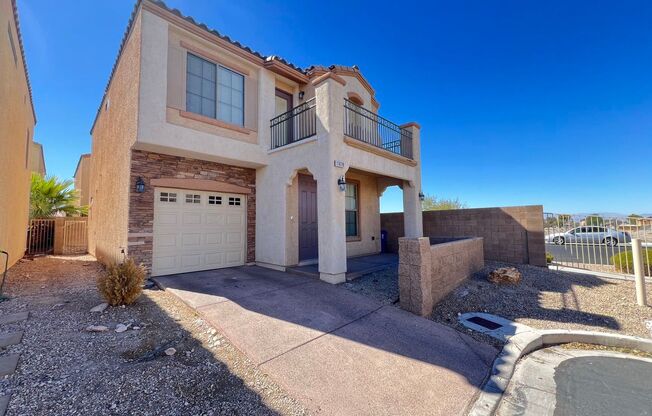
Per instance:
(168,197)
(351,210)
(13,45)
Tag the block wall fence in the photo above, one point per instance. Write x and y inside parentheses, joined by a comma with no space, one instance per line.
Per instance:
(510,234)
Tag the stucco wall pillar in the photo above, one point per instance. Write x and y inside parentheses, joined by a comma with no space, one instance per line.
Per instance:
(329,95)
(411,189)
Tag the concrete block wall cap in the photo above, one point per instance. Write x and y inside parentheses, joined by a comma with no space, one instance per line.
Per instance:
(411,124)
(526,342)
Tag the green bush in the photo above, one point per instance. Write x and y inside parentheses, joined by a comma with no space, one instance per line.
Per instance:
(624,261)
(549,258)
(122,284)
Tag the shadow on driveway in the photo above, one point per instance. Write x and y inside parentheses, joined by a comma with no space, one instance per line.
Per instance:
(337,351)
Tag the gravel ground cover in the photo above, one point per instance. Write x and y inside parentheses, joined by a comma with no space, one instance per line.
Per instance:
(66,370)
(545,299)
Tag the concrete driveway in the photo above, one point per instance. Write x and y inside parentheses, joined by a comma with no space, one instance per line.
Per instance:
(336,351)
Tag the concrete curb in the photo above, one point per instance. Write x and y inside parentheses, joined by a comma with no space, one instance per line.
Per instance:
(527,342)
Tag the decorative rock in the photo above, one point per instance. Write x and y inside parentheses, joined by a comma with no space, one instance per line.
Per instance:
(100,308)
(121,328)
(170,351)
(505,275)
(96,328)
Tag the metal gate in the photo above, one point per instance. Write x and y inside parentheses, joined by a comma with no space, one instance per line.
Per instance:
(75,237)
(597,243)
(40,236)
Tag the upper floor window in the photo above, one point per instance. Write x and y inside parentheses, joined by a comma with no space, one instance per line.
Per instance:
(214,91)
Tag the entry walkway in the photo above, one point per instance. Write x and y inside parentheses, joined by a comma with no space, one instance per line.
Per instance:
(355,266)
(336,351)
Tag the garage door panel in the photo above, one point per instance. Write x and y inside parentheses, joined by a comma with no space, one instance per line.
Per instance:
(166,262)
(192,218)
(167,218)
(197,236)
(165,240)
(190,260)
(216,260)
(214,238)
(215,219)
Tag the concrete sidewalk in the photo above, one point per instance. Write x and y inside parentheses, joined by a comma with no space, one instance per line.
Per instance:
(337,351)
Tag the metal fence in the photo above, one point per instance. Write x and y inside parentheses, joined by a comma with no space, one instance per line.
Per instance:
(369,127)
(297,124)
(597,243)
(40,236)
(75,237)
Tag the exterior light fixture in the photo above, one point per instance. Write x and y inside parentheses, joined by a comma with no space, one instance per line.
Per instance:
(301,94)
(342,183)
(422,197)
(140,185)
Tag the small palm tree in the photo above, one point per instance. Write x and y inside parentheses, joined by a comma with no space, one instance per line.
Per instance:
(50,196)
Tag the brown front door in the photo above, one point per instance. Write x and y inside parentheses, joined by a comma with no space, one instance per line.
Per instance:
(308,248)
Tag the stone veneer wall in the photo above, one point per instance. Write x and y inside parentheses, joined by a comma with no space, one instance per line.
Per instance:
(148,166)
(511,234)
(427,273)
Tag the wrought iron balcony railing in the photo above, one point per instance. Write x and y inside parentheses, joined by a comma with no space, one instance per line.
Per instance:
(294,125)
(366,126)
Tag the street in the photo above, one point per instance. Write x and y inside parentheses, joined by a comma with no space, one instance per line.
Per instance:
(584,253)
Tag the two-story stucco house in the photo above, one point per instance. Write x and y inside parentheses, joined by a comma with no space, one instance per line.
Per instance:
(18,156)
(207,154)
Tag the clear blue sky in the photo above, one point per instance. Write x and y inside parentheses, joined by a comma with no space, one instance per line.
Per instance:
(520,102)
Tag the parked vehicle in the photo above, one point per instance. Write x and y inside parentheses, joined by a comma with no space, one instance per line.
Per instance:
(590,235)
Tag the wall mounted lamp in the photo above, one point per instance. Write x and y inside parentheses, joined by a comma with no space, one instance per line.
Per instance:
(140,185)
(422,197)
(301,94)
(342,183)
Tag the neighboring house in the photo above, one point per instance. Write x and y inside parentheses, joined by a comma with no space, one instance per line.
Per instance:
(17,120)
(37,159)
(207,154)
(82,179)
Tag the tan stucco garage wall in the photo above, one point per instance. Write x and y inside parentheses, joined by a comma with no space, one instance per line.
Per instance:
(16,132)
(113,135)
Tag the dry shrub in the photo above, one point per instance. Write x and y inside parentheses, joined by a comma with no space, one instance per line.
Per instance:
(123,283)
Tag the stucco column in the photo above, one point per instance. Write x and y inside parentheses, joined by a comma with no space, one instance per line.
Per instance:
(329,92)
(413,219)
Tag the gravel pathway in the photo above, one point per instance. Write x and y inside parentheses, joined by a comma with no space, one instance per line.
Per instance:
(66,370)
(545,299)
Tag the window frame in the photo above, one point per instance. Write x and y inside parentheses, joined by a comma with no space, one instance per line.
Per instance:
(218,66)
(358,236)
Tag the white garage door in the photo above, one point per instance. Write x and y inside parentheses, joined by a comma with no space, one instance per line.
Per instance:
(196,230)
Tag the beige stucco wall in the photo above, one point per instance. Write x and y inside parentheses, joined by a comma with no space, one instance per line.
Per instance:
(82,179)
(16,133)
(36,159)
(369,213)
(113,135)
(162,128)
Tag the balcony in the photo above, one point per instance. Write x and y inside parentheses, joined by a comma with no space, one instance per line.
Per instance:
(295,125)
(368,127)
